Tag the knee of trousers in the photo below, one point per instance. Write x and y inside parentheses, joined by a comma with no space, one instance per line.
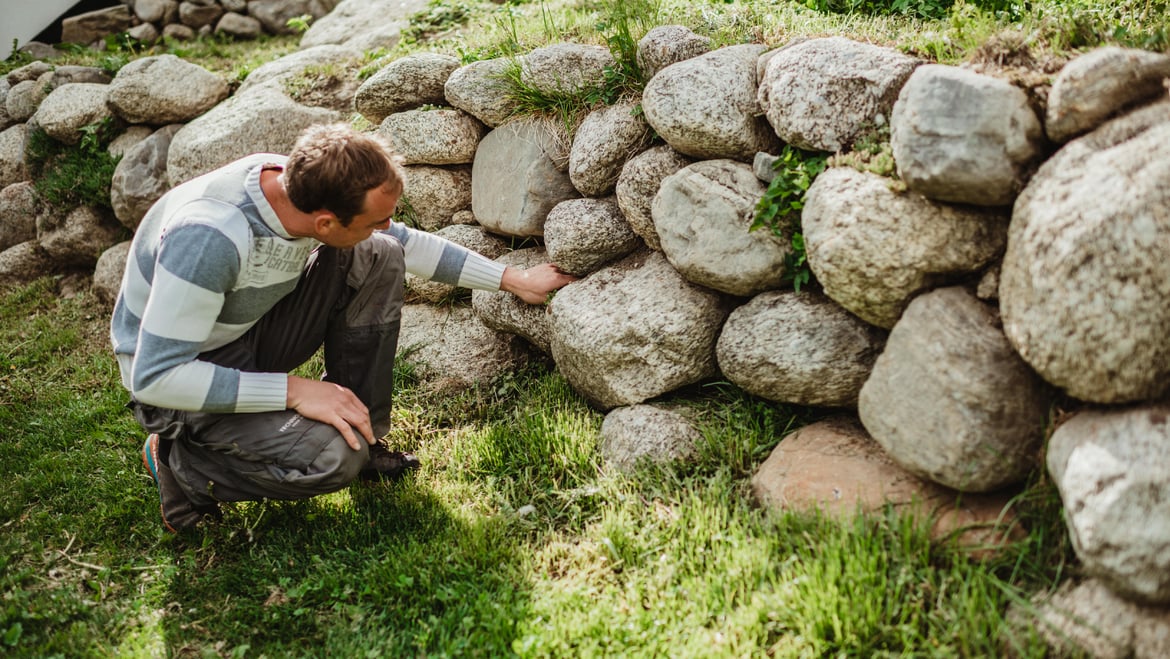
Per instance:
(337,465)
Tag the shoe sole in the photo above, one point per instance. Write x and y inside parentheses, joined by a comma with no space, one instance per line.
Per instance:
(150,461)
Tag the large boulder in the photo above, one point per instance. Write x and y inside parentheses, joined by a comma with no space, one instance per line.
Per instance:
(481,90)
(107,274)
(582,235)
(821,94)
(140,177)
(638,184)
(363,24)
(164,89)
(1099,84)
(71,107)
(702,215)
(262,120)
(515,180)
(436,195)
(450,349)
(505,312)
(634,330)
(706,106)
(668,44)
(91,26)
(964,137)
(566,68)
(275,14)
(433,137)
(950,400)
(1085,284)
(1114,480)
(873,249)
(834,467)
(631,436)
(407,83)
(301,63)
(25,262)
(1085,618)
(602,144)
(799,348)
(18,214)
(12,168)
(76,238)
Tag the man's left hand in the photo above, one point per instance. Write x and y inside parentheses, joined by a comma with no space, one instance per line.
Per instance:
(534,284)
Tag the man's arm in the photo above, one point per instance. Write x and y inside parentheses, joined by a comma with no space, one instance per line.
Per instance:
(433,257)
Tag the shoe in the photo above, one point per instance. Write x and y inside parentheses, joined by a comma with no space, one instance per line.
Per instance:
(178,513)
(387,465)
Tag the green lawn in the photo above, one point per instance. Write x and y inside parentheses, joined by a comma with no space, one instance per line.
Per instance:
(512,538)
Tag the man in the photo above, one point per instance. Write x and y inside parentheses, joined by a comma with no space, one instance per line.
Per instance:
(237,277)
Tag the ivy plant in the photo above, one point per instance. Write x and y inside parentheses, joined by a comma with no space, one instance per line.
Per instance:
(779,209)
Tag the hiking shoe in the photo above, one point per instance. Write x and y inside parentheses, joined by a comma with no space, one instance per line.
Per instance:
(387,464)
(178,513)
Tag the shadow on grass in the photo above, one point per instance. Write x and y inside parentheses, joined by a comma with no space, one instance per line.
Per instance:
(385,569)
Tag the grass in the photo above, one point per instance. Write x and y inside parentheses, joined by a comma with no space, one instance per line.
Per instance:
(512,538)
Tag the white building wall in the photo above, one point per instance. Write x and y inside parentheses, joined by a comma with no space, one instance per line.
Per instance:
(24,19)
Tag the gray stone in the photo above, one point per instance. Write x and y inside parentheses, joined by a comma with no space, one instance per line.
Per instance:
(92,26)
(433,137)
(107,274)
(275,14)
(263,120)
(1081,619)
(436,194)
(63,75)
(949,400)
(197,14)
(1099,84)
(22,99)
(407,83)
(505,312)
(150,11)
(1110,467)
(164,89)
(634,330)
(638,184)
(18,214)
(481,90)
(515,181)
(363,24)
(76,238)
(668,44)
(451,349)
(140,177)
(602,144)
(5,120)
(822,94)
(71,107)
(762,166)
(30,71)
(706,107)
(566,68)
(582,235)
(239,26)
(12,169)
(25,262)
(1085,279)
(127,139)
(146,33)
(296,64)
(963,137)
(702,214)
(637,434)
(799,348)
(178,32)
(873,249)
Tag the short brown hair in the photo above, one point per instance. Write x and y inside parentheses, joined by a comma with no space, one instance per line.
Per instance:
(333,166)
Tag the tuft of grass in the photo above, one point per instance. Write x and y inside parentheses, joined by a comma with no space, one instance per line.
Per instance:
(65,175)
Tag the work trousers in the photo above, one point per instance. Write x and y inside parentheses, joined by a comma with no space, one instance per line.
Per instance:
(350,302)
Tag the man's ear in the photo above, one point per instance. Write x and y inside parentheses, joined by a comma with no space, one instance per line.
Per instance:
(325,223)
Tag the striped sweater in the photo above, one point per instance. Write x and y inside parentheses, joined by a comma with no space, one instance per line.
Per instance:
(207,262)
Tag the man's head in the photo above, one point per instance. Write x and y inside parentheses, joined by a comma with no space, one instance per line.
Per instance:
(333,167)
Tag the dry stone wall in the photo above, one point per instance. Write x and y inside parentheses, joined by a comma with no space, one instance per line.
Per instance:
(1018,257)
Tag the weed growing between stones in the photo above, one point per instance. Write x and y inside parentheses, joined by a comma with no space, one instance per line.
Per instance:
(779,209)
(73,175)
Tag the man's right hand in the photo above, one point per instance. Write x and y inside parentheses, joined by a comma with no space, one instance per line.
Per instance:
(333,404)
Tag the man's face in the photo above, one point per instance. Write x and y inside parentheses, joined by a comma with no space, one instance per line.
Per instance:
(375,216)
